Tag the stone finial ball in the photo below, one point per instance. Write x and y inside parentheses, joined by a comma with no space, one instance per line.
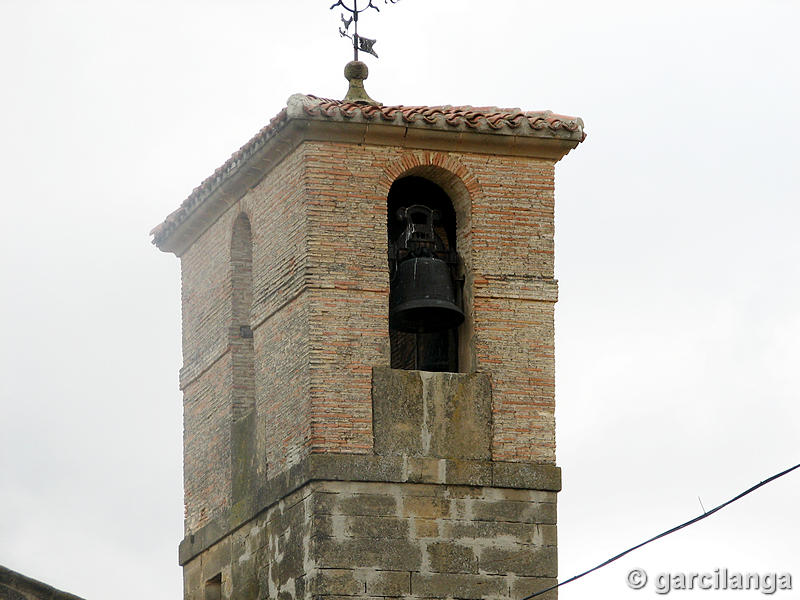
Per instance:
(356,69)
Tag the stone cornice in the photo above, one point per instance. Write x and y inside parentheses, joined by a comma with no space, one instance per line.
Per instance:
(371,468)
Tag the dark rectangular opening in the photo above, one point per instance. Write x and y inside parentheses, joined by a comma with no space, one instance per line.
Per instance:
(213,589)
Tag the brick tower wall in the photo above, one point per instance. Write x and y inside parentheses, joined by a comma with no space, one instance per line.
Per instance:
(320,308)
(279,320)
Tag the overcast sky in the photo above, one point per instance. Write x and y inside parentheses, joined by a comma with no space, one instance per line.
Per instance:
(678,324)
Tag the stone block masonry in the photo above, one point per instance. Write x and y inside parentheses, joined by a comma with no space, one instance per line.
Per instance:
(370,539)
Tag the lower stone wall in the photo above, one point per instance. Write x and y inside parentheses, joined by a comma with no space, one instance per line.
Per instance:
(370,539)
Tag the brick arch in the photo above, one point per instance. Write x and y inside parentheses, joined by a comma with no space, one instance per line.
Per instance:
(445,170)
(461,185)
(449,173)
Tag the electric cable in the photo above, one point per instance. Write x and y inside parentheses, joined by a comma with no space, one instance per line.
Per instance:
(666,533)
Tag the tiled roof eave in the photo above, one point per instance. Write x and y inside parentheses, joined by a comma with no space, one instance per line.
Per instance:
(212,183)
(491,120)
(302,109)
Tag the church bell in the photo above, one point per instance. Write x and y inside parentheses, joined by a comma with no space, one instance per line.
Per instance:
(423,292)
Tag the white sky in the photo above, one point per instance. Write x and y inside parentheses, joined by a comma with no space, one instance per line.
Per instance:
(678,323)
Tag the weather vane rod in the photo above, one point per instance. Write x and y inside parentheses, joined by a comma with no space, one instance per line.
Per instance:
(359,43)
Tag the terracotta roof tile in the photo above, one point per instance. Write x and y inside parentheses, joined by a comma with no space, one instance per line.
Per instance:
(455,116)
(487,119)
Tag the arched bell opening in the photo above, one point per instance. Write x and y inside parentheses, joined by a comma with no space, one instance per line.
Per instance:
(426,286)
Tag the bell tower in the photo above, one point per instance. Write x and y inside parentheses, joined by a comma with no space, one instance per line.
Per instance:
(368,376)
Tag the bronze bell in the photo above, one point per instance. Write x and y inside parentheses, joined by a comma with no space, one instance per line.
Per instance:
(422,296)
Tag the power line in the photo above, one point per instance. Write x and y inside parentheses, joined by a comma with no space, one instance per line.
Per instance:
(666,533)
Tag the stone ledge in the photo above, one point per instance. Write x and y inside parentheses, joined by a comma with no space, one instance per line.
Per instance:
(432,415)
(370,468)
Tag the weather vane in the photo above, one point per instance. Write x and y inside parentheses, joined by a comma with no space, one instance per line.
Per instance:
(359,43)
